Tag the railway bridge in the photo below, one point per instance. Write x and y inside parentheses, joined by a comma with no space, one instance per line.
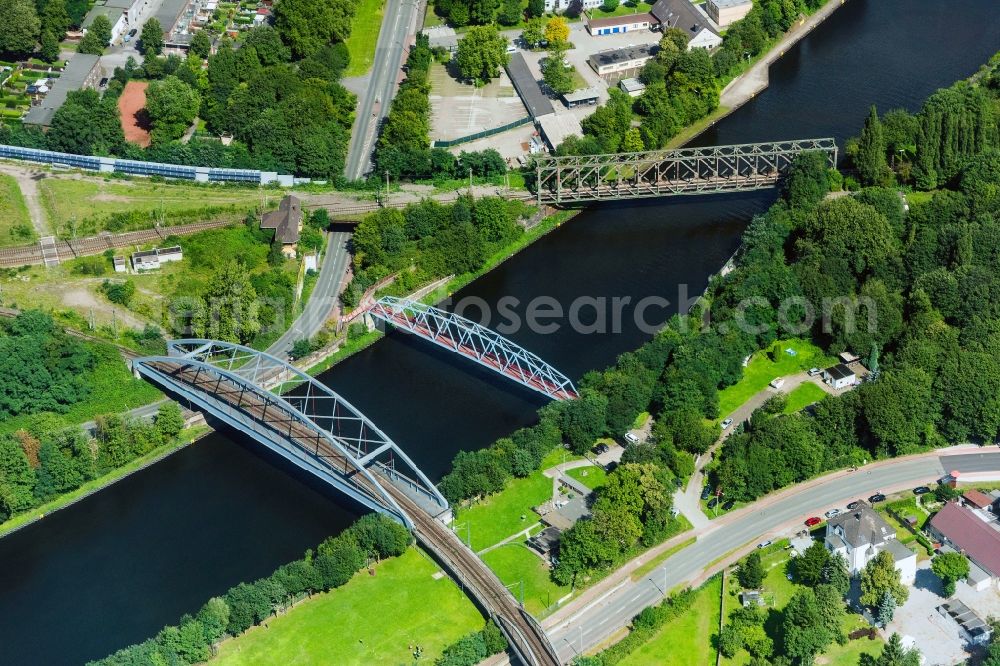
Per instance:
(750,166)
(311,426)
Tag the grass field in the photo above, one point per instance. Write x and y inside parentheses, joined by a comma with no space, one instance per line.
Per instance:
(803,396)
(81,207)
(762,369)
(685,640)
(364,35)
(15,224)
(591,476)
(514,563)
(623,9)
(371,620)
(642,571)
(499,516)
(112,389)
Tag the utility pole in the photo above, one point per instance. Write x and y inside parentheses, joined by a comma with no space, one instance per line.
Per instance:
(470,181)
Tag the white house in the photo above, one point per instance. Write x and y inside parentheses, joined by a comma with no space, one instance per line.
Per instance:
(614,25)
(839,376)
(861,534)
(562,5)
(150,260)
(681,14)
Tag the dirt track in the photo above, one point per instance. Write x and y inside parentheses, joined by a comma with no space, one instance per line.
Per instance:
(131,102)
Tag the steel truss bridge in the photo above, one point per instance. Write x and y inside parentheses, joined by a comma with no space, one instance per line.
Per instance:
(749,166)
(483,345)
(318,431)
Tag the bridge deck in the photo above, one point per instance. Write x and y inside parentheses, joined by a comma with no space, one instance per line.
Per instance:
(526,637)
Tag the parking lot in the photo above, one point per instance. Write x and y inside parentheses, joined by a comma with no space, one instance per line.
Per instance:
(460,109)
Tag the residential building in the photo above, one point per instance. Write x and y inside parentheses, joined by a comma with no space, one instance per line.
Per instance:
(839,376)
(151,260)
(169,15)
(585,97)
(626,62)
(286,222)
(727,12)
(83,71)
(442,36)
(977,500)
(563,5)
(618,24)
(546,542)
(682,14)
(859,535)
(974,532)
(632,87)
(115,15)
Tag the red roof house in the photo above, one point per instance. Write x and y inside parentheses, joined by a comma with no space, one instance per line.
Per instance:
(960,527)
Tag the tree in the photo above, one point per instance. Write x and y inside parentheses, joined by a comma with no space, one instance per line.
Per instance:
(120,292)
(632,141)
(301,348)
(201,44)
(886,609)
(151,37)
(50,47)
(101,29)
(229,309)
(880,575)
(481,53)
(836,575)
(19,28)
(950,568)
(56,472)
(893,654)
(536,8)
(169,420)
(802,624)
(510,12)
(807,182)
(871,161)
(557,76)
(751,572)
(534,32)
(308,25)
(172,106)
(809,567)
(214,618)
(55,19)
(557,31)
(610,5)
(584,419)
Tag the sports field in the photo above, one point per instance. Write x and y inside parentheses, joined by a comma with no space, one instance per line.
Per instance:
(131,105)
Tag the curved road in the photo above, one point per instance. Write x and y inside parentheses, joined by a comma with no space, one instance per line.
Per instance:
(595,617)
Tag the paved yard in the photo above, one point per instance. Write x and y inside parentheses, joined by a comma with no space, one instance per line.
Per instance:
(459,109)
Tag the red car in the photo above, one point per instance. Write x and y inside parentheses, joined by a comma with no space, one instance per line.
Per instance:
(813,522)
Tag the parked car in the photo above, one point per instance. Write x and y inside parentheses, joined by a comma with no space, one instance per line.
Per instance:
(832,513)
(726,423)
(854,505)
(729,505)
(777,382)
(705,492)
(511,48)
(601,449)
(714,502)
(611,466)
(813,521)
(678,482)
(877,497)
(631,438)
(764,544)
(814,371)
(921,490)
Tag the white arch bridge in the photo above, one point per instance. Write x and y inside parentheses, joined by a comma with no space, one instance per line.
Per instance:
(310,425)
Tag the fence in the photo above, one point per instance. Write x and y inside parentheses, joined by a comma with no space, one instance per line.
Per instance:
(448,143)
(137,168)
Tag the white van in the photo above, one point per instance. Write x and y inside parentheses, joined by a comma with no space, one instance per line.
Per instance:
(631,439)
(777,383)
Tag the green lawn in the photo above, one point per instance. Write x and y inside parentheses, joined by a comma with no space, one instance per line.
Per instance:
(364,34)
(762,369)
(513,563)
(685,640)
(113,389)
(643,570)
(622,10)
(15,224)
(82,207)
(371,620)
(591,476)
(803,396)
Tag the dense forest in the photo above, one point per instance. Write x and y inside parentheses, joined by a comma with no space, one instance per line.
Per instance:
(277,94)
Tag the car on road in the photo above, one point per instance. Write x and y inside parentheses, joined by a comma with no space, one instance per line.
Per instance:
(726,423)
(854,505)
(729,505)
(705,492)
(777,382)
(601,449)
(764,544)
(921,490)
(877,497)
(631,438)
(714,502)
(813,521)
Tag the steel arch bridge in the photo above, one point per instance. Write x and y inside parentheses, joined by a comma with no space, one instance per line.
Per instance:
(483,345)
(748,166)
(295,416)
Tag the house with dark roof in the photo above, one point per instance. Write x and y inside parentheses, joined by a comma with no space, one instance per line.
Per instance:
(685,16)
(973,532)
(628,60)
(286,222)
(861,534)
(839,376)
(546,542)
(82,71)
(526,85)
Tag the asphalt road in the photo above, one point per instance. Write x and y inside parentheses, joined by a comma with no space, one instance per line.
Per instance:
(603,617)
(398,23)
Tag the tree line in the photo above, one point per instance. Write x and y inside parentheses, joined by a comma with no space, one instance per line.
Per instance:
(37,26)
(331,565)
(403,149)
(429,240)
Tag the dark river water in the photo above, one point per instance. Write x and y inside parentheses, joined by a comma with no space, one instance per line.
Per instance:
(114,568)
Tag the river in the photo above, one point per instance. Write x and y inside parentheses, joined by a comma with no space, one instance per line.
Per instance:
(114,568)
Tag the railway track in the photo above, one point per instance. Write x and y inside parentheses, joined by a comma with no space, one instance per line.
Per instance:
(127,353)
(527,639)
